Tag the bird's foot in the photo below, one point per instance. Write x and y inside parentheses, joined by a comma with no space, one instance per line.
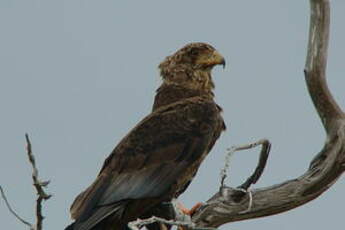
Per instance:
(187,211)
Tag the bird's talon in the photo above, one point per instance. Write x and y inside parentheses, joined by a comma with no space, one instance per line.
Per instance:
(195,208)
(187,211)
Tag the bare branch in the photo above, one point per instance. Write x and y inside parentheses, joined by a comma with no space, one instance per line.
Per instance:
(139,223)
(42,195)
(316,63)
(13,212)
(266,146)
(224,208)
(324,169)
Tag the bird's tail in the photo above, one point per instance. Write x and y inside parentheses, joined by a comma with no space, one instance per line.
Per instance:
(163,210)
(70,227)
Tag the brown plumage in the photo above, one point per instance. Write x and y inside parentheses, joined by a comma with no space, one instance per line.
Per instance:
(157,160)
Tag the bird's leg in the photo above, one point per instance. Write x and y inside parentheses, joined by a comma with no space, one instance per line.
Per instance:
(187,211)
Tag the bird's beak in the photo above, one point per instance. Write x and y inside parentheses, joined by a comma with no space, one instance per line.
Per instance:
(215,58)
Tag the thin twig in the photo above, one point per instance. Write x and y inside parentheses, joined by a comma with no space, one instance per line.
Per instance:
(266,146)
(13,212)
(139,223)
(265,150)
(42,195)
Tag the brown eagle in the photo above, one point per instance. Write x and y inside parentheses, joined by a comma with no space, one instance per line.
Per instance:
(159,157)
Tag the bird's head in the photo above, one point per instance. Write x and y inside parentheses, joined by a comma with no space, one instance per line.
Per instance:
(191,66)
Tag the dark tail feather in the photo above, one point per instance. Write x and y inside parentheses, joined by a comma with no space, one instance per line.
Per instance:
(164,210)
(70,227)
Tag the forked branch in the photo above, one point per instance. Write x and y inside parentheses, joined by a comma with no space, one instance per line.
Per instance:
(39,186)
(266,147)
(325,168)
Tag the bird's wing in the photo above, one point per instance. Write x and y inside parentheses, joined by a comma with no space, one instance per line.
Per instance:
(149,160)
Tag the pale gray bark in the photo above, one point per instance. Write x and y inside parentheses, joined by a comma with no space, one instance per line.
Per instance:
(226,206)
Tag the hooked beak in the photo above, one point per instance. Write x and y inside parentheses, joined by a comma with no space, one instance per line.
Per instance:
(215,58)
(218,59)
(223,63)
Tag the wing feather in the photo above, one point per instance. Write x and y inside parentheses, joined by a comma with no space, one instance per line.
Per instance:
(149,160)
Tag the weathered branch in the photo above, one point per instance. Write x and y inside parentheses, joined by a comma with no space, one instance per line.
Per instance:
(326,167)
(316,63)
(139,223)
(265,150)
(41,194)
(13,212)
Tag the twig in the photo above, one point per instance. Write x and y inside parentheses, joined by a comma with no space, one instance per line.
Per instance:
(139,223)
(265,150)
(266,146)
(42,195)
(13,212)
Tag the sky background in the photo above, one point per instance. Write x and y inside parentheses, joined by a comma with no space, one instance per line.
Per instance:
(78,75)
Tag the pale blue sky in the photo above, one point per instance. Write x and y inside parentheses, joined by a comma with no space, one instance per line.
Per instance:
(78,75)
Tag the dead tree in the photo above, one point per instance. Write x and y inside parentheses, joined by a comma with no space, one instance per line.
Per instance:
(328,165)
(230,204)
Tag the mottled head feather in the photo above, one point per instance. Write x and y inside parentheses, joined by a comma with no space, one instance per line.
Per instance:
(191,66)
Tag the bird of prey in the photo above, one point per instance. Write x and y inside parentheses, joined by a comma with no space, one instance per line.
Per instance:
(156,161)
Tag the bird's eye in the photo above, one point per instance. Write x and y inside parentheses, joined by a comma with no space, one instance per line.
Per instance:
(194,52)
